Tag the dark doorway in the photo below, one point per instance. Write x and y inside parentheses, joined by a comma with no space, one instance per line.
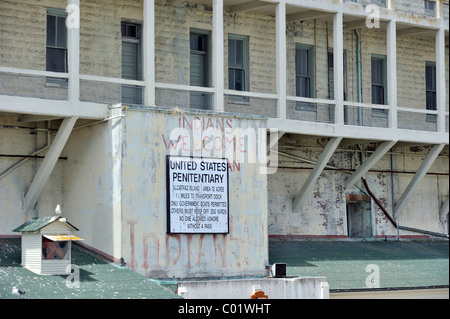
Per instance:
(359,220)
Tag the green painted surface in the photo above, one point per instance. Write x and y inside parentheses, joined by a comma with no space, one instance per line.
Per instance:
(400,264)
(98,279)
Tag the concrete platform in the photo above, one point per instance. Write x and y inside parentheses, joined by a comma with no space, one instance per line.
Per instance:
(349,264)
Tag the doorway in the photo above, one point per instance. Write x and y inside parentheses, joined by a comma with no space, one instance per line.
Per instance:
(359,220)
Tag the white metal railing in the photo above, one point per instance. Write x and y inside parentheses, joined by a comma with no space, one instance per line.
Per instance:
(326,103)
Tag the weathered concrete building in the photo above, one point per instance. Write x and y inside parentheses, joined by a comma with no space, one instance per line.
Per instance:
(97,98)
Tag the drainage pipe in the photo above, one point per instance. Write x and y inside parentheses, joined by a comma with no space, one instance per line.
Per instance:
(379,203)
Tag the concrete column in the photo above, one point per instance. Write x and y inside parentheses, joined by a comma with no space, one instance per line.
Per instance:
(440,79)
(73,51)
(281,58)
(218,56)
(148,48)
(392,72)
(338,54)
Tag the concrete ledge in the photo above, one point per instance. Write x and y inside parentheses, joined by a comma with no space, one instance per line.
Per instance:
(273,288)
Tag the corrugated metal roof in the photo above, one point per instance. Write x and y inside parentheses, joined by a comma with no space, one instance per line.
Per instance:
(38,223)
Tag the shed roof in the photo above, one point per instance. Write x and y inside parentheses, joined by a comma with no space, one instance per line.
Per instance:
(37,223)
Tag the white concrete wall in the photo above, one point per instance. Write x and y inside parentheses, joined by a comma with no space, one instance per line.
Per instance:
(324,212)
(16,139)
(273,288)
(147,248)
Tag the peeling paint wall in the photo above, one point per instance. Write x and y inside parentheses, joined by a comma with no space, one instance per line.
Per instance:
(146,246)
(324,212)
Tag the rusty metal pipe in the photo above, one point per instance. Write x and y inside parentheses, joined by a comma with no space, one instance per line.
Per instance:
(379,203)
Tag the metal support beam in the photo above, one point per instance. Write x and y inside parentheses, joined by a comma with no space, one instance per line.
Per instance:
(149,53)
(369,163)
(48,163)
(218,56)
(421,172)
(324,158)
(281,58)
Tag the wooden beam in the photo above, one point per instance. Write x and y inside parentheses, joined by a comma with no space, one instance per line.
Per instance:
(421,172)
(48,163)
(324,158)
(369,163)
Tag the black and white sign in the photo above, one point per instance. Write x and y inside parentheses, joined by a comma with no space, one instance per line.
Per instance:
(197,195)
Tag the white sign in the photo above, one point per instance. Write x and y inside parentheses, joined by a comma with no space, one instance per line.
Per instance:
(197,195)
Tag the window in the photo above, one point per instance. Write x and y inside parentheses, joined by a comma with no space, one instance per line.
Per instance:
(55,250)
(431,99)
(199,68)
(304,76)
(430,7)
(379,94)
(131,62)
(56,55)
(381,3)
(238,70)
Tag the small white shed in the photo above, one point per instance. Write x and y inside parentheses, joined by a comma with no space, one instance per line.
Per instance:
(46,244)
